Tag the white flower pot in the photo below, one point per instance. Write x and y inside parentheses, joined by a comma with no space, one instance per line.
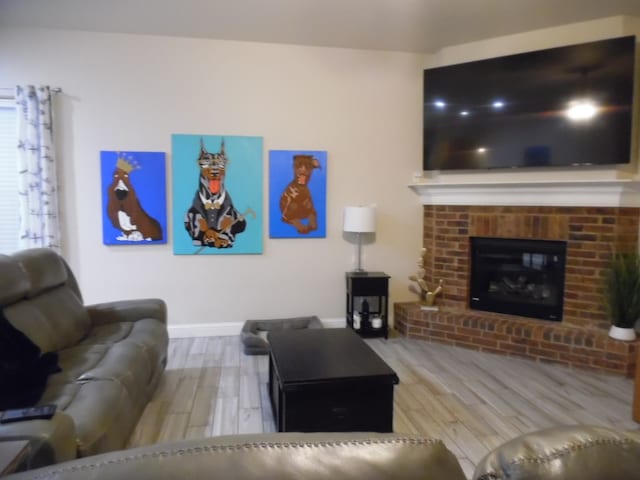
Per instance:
(625,334)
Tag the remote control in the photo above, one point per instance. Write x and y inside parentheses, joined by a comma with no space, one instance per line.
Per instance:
(29,413)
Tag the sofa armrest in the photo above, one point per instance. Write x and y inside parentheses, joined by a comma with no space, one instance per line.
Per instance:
(564,453)
(127,311)
(285,456)
(50,441)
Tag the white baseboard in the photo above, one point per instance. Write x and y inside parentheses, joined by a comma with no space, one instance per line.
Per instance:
(221,329)
(225,329)
(334,322)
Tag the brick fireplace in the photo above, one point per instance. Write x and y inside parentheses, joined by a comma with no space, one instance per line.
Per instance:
(592,233)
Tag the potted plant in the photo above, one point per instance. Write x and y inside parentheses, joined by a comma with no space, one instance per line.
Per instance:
(622,295)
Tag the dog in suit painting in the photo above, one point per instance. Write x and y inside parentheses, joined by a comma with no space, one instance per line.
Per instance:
(212,220)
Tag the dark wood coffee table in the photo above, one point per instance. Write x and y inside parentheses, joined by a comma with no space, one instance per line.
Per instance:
(328,380)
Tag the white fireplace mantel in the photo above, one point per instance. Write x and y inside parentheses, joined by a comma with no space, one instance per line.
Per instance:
(563,193)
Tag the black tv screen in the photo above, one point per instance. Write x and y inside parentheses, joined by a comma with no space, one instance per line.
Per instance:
(556,107)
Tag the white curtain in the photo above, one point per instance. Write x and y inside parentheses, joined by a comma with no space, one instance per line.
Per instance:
(37,184)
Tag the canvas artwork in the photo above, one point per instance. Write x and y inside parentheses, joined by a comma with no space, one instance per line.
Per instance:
(217,194)
(134,198)
(297,194)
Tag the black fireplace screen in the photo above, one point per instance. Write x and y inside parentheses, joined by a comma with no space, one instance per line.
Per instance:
(519,277)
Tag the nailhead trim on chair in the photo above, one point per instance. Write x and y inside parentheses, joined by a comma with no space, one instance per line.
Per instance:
(493,475)
(239,447)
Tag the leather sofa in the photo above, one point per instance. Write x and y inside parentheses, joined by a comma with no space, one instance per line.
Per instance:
(568,453)
(111,356)
(281,456)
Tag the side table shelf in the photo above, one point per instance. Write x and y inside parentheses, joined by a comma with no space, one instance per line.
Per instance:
(368,289)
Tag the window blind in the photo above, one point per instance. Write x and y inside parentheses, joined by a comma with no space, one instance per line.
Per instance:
(9,216)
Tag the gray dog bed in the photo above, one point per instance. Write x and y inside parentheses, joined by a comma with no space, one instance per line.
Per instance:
(254,344)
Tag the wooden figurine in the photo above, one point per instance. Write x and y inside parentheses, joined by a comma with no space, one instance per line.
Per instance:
(427,297)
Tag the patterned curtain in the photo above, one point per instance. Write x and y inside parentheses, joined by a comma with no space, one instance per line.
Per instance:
(37,184)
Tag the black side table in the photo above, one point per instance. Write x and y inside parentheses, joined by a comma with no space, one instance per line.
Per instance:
(368,289)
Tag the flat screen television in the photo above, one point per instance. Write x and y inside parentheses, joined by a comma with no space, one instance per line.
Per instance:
(562,106)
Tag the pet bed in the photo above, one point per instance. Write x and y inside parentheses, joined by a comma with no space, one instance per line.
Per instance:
(255,344)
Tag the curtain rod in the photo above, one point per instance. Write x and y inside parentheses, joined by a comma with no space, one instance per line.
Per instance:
(11,96)
(53,89)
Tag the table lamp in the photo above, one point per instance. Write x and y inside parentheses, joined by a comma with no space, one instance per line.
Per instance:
(360,220)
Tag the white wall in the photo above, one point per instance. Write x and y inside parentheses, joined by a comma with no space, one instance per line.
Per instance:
(129,92)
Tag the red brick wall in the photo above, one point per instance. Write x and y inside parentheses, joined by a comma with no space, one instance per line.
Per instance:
(592,235)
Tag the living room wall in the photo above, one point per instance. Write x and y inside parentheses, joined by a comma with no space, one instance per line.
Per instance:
(130,92)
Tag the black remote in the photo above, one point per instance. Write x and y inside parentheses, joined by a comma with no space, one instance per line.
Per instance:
(29,413)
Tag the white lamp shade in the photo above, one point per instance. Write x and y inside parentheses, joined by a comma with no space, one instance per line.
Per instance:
(360,219)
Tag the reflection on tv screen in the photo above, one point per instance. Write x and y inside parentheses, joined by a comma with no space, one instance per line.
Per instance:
(557,107)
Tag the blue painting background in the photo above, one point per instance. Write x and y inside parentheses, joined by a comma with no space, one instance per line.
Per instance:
(280,175)
(149,182)
(243,181)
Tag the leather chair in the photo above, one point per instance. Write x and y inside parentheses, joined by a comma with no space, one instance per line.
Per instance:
(565,453)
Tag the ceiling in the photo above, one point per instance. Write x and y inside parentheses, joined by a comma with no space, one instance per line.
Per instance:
(422,26)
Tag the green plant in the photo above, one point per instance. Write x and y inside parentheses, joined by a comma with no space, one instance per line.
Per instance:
(622,286)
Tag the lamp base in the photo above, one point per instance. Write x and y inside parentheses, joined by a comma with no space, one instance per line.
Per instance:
(359,271)
(359,268)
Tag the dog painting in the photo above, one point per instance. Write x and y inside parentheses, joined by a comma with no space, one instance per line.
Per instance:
(134,197)
(224,198)
(212,220)
(297,197)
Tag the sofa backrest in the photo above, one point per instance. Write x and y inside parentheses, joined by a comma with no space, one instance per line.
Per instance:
(282,456)
(40,297)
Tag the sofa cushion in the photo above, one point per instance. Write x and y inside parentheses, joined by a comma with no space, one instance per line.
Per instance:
(53,320)
(152,337)
(149,333)
(102,410)
(133,352)
(45,269)
(125,363)
(48,308)
(75,361)
(61,394)
(14,282)
(127,311)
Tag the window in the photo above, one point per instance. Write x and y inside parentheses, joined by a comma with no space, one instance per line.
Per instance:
(9,216)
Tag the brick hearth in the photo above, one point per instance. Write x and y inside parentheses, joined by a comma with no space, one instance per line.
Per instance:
(580,340)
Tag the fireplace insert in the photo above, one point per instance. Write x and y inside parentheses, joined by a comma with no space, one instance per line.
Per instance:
(519,277)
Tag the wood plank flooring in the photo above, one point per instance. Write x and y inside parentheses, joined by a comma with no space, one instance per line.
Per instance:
(473,401)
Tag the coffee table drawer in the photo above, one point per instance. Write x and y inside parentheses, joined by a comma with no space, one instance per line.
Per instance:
(346,408)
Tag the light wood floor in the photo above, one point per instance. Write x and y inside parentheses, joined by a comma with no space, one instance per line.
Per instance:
(473,401)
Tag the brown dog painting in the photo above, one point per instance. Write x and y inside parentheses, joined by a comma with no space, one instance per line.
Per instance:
(296,202)
(124,209)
